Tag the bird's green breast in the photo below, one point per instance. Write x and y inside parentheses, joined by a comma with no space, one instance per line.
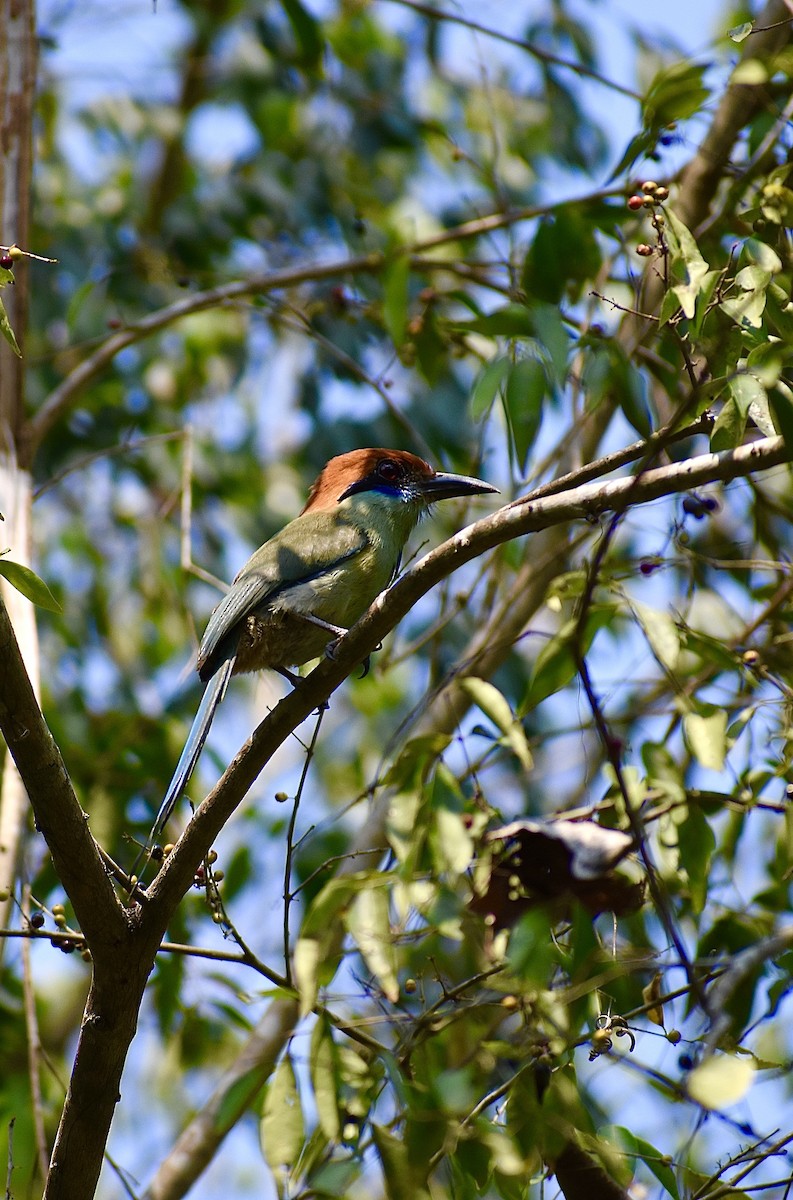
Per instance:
(327,564)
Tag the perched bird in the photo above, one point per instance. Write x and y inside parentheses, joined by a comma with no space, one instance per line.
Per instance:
(307,585)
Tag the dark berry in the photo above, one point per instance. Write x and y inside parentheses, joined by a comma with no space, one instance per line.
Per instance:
(699,506)
(6,261)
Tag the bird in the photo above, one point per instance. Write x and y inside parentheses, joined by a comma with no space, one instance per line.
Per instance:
(307,585)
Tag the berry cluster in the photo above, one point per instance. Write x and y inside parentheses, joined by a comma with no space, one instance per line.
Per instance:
(652,196)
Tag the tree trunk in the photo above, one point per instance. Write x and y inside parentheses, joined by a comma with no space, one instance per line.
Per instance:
(18,57)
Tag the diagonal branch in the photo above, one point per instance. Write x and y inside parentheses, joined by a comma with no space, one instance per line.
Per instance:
(200,1140)
(741,102)
(524,516)
(66,393)
(58,814)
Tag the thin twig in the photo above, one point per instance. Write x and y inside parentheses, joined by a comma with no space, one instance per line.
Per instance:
(290,848)
(543,56)
(65,394)
(10,1158)
(186,501)
(34,1048)
(127,446)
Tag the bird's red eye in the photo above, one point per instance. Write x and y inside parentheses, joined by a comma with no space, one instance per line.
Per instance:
(388,470)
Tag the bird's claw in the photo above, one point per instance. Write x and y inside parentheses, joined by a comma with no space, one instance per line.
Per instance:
(367,662)
(295,679)
(330,652)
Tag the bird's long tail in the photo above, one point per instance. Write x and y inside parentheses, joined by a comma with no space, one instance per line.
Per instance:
(213,694)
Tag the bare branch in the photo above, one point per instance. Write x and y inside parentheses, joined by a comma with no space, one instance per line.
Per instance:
(59,816)
(67,392)
(233,1096)
(543,56)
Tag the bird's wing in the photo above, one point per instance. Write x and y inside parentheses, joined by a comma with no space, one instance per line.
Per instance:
(306,548)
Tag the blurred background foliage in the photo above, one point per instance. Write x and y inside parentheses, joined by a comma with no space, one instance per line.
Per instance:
(332,150)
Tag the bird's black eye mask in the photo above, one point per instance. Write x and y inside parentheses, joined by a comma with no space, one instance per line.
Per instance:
(387,477)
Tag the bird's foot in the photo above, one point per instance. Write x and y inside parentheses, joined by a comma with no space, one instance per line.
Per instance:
(294,679)
(367,662)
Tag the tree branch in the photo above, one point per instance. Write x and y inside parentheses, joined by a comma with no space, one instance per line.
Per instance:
(702,175)
(519,518)
(58,814)
(66,393)
(238,1088)
(112,1009)
(543,56)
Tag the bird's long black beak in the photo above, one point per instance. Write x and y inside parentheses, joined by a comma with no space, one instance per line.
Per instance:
(443,486)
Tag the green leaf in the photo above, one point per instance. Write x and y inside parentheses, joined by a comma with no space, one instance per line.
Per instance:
(760,413)
(328,904)
(744,392)
(495,705)
(29,584)
(308,32)
(556,663)
(487,385)
(406,823)
(609,374)
(727,433)
(396,281)
(398,1178)
(631,394)
(554,338)
(325,1077)
(782,407)
(779,312)
(305,961)
(767,362)
(7,331)
(635,1147)
(677,92)
(720,1081)
(696,843)
(525,390)
(661,632)
(368,923)
(686,261)
(637,147)
(453,845)
(739,32)
(511,321)
(670,306)
(751,72)
(663,770)
(281,1128)
(237,1099)
(707,287)
(707,738)
(747,308)
(564,254)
